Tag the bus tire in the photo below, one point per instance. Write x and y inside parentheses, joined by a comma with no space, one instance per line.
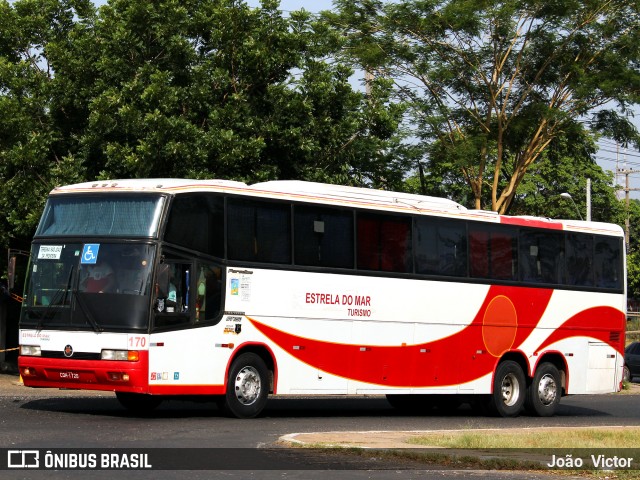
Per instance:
(543,395)
(509,390)
(626,374)
(138,403)
(247,387)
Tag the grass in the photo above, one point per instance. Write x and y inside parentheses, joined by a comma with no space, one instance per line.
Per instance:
(522,450)
(579,442)
(546,438)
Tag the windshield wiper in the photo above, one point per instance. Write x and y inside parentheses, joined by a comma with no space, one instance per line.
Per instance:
(61,293)
(96,327)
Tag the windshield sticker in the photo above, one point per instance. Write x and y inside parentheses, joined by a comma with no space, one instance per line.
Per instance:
(49,252)
(90,253)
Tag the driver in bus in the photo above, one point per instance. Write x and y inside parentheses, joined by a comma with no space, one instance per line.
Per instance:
(100,279)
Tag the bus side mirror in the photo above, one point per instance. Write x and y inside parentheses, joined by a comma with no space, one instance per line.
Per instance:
(12,261)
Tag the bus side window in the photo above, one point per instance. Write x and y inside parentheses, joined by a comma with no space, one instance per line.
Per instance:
(384,243)
(607,263)
(579,251)
(441,247)
(209,292)
(541,257)
(323,237)
(493,252)
(172,292)
(259,231)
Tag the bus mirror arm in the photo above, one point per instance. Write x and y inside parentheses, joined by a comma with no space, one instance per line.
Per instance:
(11,272)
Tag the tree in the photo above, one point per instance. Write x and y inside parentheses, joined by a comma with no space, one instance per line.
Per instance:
(493,83)
(37,123)
(539,193)
(168,88)
(219,89)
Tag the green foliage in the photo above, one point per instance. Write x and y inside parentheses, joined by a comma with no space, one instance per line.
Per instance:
(37,120)
(218,89)
(492,84)
(168,88)
(215,88)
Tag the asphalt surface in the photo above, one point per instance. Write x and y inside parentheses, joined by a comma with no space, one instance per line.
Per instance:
(11,386)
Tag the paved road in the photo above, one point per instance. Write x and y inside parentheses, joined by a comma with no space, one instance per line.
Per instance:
(31,418)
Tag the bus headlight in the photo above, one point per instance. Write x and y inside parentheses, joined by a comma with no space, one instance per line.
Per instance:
(30,350)
(121,355)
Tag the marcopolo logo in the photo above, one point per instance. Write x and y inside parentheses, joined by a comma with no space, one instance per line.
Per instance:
(23,459)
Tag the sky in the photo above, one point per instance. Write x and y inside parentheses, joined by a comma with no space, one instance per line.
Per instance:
(610,156)
(311,6)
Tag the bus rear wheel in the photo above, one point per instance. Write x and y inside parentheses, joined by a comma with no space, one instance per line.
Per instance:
(247,387)
(543,395)
(509,387)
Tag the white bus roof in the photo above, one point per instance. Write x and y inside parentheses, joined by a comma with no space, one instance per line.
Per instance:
(335,195)
(147,184)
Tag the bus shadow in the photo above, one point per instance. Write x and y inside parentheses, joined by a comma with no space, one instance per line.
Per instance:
(277,407)
(110,407)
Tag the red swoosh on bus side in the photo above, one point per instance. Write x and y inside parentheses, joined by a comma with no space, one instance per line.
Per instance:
(456,359)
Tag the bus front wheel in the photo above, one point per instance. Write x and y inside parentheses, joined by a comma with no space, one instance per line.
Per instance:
(543,395)
(247,387)
(509,387)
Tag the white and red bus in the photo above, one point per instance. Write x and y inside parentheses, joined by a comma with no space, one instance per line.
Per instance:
(166,287)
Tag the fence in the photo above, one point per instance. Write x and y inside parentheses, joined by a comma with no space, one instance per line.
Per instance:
(633,327)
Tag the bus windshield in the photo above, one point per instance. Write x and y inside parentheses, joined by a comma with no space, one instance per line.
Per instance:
(93,286)
(101,215)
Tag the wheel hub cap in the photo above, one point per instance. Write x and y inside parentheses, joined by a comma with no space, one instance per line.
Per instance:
(510,390)
(247,385)
(547,390)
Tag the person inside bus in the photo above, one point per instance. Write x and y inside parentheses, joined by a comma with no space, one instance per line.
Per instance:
(166,292)
(99,279)
(209,293)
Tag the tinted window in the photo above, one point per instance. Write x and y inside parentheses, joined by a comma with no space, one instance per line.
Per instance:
(493,252)
(323,237)
(384,243)
(441,247)
(608,262)
(541,257)
(196,222)
(172,293)
(579,264)
(208,292)
(258,231)
(104,215)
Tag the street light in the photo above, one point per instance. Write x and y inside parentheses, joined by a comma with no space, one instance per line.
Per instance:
(566,195)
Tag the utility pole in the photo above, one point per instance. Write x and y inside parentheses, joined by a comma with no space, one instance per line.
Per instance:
(588,199)
(626,172)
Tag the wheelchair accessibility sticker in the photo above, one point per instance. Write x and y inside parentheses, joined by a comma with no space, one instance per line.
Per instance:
(90,253)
